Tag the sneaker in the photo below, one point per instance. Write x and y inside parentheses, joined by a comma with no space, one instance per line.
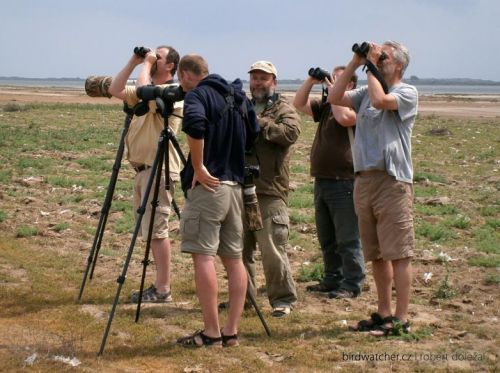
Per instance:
(322,288)
(150,295)
(343,294)
(281,311)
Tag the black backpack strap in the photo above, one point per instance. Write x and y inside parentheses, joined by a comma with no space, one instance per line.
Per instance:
(230,102)
(242,109)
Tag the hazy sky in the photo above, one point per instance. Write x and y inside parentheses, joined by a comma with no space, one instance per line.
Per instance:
(65,38)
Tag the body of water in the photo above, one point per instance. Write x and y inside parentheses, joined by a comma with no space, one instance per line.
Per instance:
(422,89)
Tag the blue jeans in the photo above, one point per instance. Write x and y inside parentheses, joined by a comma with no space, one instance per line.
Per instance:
(337,228)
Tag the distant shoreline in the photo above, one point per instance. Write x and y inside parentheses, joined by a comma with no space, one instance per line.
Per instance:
(472,106)
(412,80)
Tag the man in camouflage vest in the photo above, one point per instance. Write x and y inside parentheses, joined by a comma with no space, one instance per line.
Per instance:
(280,128)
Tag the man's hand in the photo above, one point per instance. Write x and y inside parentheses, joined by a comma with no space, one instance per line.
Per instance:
(374,53)
(150,57)
(202,176)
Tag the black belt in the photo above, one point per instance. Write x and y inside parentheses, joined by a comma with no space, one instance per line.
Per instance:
(142,167)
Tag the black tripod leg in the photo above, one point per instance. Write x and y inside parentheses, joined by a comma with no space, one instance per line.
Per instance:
(154,205)
(123,275)
(94,252)
(257,310)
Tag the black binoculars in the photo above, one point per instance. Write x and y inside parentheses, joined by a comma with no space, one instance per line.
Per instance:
(318,73)
(362,50)
(141,51)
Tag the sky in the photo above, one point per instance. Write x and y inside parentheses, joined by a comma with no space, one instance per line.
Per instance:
(65,38)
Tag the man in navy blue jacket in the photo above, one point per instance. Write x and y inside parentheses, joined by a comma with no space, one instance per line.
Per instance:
(220,124)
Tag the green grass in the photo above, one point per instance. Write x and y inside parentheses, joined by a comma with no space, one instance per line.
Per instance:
(41,274)
(26,231)
(60,227)
(430,210)
(487,240)
(487,261)
(492,279)
(5,176)
(39,164)
(311,272)
(423,176)
(64,181)
(433,232)
(489,210)
(460,222)
(95,164)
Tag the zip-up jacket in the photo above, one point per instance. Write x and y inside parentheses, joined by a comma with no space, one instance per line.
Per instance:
(280,129)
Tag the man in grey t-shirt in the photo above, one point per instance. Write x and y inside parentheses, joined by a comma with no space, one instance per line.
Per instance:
(383,192)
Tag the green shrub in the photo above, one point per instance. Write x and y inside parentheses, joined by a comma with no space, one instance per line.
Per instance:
(311,272)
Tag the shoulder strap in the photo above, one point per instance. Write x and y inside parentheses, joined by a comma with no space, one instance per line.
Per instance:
(350,133)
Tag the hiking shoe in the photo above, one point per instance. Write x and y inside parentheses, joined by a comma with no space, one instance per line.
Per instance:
(151,295)
(343,294)
(321,287)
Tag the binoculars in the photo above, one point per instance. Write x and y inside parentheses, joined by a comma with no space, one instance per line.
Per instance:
(318,73)
(362,50)
(141,51)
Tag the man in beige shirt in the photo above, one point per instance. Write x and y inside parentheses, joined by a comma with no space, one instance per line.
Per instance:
(158,68)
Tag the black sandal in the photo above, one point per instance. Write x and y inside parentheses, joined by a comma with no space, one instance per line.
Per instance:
(392,326)
(194,340)
(229,340)
(372,323)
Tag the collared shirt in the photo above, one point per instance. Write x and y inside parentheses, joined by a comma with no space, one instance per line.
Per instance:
(142,138)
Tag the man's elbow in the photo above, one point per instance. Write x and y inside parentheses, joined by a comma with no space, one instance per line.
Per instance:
(113,90)
(298,105)
(378,104)
(347,120)
(383,103)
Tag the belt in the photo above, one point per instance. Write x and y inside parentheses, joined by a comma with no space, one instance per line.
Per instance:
(142,167)
(371,172)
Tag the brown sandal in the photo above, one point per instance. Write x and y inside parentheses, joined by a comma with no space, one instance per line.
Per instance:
(392,326)
(372,323)
(229,340)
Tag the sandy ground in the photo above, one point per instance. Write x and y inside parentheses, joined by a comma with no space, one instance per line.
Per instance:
(452,106)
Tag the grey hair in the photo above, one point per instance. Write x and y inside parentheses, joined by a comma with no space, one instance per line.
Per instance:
(401,54)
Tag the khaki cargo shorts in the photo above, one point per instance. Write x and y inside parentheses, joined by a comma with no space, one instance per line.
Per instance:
(162,213)
(211,222)
(385,215)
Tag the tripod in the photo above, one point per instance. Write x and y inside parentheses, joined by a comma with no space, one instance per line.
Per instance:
(162,156)
(96,246)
